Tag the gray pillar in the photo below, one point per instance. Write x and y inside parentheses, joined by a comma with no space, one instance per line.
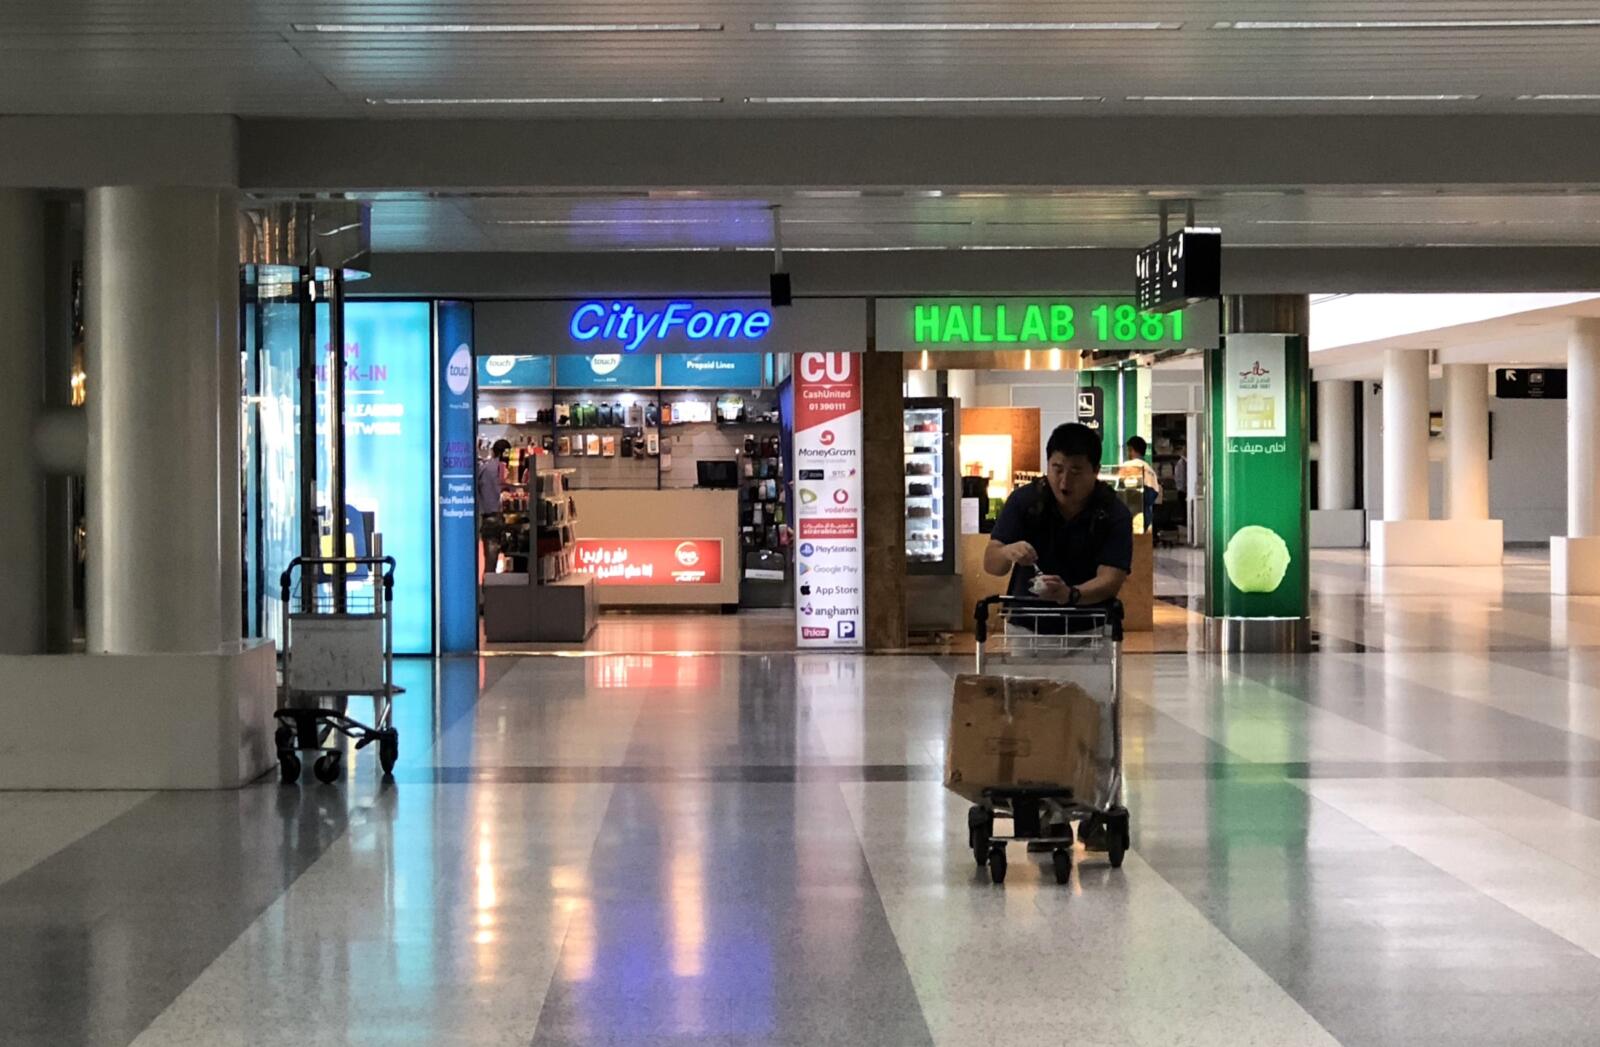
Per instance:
(1405,434)
(22,560)
(230,420)
(154,311)
(1336,445)
(1466,437)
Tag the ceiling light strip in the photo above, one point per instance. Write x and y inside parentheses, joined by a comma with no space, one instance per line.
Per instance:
(1414,23)
(409,28)
(1303,98)
(965,27)
(926,100)
(665,100)
(1559,98)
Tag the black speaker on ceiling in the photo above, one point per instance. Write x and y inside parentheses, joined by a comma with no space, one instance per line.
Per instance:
(782,290)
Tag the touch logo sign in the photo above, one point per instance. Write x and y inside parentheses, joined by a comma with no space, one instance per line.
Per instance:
(458,372)
(632,324)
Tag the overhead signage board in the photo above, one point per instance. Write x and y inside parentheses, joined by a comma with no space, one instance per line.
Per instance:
(712,370)
(1092,324)
(1530,383)
(829,563)
(650,326)
(1178,271)
(513,372)
(605,371)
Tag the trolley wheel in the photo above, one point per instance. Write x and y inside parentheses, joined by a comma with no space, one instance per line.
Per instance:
(288,767)
(997,862)
(327,768)
(1061,858)
(388,752)
(1118,836)
(980,826)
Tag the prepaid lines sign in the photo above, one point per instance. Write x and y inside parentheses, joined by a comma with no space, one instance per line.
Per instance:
(827,471)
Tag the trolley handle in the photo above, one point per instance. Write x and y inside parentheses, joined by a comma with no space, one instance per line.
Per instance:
(1109,613)
(285,581)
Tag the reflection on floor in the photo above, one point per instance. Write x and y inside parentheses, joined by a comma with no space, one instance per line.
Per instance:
(1354,608)
(1391,842)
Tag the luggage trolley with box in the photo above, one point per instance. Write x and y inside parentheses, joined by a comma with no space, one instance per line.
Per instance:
(338,643)
(1019,639)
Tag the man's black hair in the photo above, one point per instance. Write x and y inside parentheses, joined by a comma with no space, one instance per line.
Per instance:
(501,446)
(1074,440)
(1137,445)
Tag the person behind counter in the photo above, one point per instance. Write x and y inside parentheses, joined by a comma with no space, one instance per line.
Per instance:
(1136,467)
(1065,537)
(491,483)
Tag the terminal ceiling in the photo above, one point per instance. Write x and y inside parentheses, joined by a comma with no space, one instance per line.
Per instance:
(822,66)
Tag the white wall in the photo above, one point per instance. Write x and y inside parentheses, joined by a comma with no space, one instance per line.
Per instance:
(1527,475)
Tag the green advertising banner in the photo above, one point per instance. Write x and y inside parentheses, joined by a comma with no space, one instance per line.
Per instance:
(1258,564)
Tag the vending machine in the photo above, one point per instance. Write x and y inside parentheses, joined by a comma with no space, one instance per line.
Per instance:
(933,582)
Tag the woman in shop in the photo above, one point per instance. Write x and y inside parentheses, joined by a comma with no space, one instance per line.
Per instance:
(493,475)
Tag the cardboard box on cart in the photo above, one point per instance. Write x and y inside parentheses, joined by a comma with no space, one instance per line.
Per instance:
(1021,731)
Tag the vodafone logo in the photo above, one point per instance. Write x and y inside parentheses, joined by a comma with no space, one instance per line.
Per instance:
(826,439)
(841,496)
(687,554)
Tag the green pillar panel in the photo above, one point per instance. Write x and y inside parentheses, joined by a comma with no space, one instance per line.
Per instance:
(1257,562)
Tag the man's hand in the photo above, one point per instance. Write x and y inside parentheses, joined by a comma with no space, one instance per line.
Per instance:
(1051,587)
(1020,553)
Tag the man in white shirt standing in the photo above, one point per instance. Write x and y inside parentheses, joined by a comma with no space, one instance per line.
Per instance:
(1134,467)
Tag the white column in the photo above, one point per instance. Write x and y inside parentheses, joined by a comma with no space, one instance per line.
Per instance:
(154,313)
(921,383)
(22,335)
(1466,434)
(963,386)
(1405,434)
(1583,430)
(1336,445)
(229,420)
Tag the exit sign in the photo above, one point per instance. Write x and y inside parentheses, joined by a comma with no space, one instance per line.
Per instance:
(1530,383)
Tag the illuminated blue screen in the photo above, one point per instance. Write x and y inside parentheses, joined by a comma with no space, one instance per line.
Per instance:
(711,371)
(389,450)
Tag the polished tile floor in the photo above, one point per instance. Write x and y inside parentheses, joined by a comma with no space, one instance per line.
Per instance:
(1393,841)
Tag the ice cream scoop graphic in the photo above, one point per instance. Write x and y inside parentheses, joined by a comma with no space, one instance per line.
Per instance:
(1256,559)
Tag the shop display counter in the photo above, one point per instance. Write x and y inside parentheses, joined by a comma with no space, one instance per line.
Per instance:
(676,547)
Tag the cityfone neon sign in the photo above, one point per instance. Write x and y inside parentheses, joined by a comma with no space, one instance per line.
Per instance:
(632,324)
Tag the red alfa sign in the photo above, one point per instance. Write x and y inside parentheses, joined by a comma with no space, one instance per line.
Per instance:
(823,529)
(651,561)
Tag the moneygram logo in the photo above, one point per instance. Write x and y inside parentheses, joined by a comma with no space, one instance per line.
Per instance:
(827,438)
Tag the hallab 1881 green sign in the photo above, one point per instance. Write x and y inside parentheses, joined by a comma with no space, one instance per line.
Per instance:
(1086,323)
